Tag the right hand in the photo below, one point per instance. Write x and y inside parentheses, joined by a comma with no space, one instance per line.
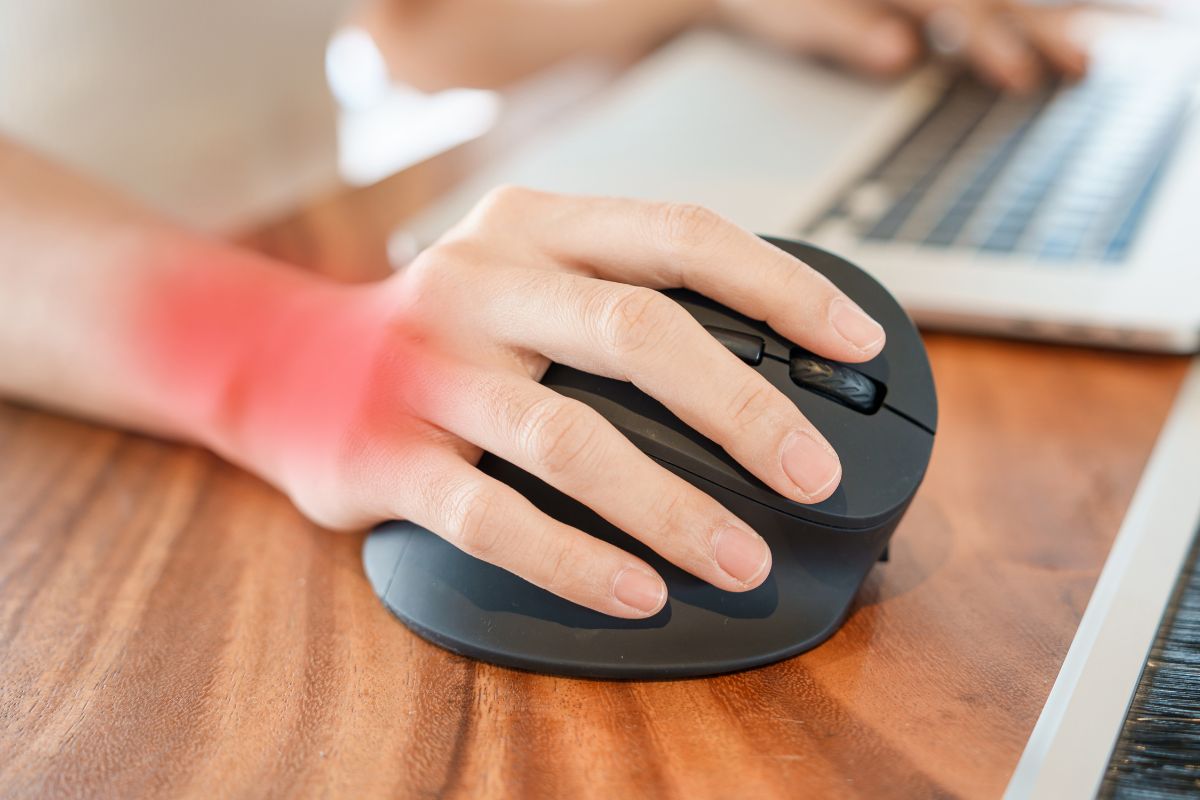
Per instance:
(462,337)
(1010,43)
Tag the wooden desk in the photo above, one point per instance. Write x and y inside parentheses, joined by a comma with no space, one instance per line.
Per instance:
(170,625)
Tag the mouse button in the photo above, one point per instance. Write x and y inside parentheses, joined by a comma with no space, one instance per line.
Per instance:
(886,467)
(746,346)
(883,456)
(664,437)
(903,365)
(911,391)
(647,422)
(712,314)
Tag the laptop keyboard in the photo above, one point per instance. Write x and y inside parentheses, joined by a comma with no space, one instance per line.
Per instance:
(1064,175)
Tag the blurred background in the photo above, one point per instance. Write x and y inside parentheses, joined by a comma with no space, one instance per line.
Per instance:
(226,113)
(1042,207)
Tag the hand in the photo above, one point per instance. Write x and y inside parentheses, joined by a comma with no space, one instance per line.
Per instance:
(460,339)
(1010,43)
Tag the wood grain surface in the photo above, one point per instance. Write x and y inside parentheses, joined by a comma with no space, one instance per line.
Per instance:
(171,626)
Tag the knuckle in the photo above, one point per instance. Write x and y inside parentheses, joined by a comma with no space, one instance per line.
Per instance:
(800,288)
(557,435)
(749,404)
(441,270)
(502,199)
(801,281)
(455,255)
(636,320)
(670,517)
(686,224)
(796,282)
(418,273)
(558,570)
(471,525)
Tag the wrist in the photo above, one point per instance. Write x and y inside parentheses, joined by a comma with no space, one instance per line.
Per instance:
(244,355)
(286,406)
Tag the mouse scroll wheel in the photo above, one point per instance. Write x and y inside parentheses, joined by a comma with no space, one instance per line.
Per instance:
(746,346)
(836,381)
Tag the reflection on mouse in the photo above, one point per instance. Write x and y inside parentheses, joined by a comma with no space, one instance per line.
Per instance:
(880,416)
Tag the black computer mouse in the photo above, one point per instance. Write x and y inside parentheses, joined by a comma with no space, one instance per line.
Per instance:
(880,416)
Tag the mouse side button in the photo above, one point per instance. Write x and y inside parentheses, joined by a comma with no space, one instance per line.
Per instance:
(746,346)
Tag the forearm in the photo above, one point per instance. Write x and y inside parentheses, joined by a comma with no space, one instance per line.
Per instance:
(486,43)
(110,313)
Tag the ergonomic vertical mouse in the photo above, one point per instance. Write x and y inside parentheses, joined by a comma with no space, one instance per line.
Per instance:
(880,416)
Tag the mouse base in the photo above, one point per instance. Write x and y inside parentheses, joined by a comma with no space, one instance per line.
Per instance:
(475,609)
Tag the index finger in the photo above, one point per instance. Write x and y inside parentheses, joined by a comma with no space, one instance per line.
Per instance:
(670,245)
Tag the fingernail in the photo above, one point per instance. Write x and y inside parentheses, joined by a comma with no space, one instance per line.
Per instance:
(742,554)
(853,324)
(811,465)
(640,590)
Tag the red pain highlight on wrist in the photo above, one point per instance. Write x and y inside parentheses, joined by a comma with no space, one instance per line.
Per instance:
(275,370)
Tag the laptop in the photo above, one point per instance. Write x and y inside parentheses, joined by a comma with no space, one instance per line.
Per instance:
(1072,214)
